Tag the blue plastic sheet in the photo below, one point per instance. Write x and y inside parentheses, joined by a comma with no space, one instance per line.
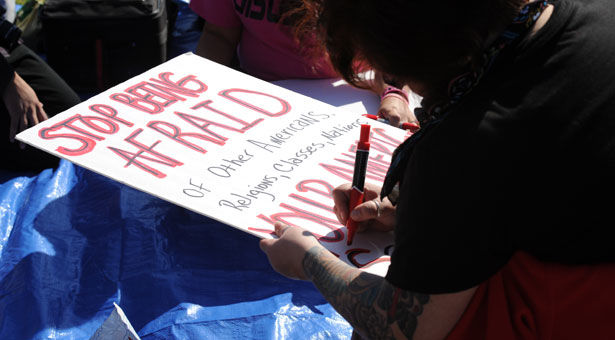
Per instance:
(73,242)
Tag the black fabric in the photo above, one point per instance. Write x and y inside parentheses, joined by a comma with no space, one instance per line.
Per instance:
(525,162)
(94,45)
(56,97)
(6,73)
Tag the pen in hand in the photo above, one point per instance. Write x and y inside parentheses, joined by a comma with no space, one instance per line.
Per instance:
(358,178)
(405,126)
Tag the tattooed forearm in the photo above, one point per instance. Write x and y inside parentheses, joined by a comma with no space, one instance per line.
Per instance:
(367,301)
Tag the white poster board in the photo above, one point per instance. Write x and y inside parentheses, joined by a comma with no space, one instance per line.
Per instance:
(229,146)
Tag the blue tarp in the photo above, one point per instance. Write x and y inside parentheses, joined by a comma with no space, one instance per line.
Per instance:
(72,242)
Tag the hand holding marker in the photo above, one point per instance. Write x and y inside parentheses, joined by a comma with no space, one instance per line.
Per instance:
(358,178)
(405,126)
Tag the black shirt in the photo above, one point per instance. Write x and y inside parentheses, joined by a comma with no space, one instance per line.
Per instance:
(526,162)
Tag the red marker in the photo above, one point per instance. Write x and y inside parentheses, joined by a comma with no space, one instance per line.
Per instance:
(358,178)
(405,126)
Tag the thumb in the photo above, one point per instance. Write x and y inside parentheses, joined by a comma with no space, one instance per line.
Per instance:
(280,228)
(365,211)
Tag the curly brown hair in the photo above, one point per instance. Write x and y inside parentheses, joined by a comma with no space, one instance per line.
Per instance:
(426,41)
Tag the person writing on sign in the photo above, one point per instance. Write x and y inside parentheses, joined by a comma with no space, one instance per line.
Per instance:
(31,91)
(253,33)
(500,203)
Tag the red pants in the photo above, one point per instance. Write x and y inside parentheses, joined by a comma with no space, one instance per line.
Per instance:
(529,300)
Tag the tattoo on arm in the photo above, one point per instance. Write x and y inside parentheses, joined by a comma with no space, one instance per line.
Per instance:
(369,303)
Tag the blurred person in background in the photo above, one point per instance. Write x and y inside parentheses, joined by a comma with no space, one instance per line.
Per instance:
(31,92)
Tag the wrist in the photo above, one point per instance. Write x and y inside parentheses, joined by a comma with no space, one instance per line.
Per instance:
(311,263)
(392,91)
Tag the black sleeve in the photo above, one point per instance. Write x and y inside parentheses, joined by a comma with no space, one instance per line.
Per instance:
(6,73)
(448,237)
(524,164)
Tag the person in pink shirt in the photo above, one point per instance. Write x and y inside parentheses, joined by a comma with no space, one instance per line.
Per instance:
(267,49)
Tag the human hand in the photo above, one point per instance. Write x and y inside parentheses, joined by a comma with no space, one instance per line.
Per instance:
(287,252)
(394,107)
(23,106)
(373,214)
(396,111)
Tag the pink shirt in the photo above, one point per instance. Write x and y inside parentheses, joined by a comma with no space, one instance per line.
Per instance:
(266,49)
